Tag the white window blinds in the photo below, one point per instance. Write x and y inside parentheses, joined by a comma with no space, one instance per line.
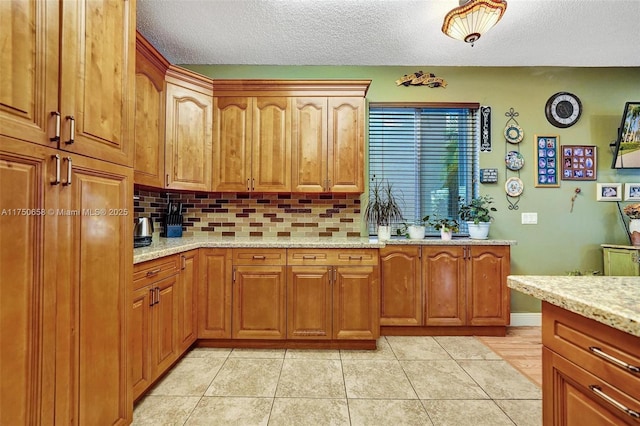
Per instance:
(429,153)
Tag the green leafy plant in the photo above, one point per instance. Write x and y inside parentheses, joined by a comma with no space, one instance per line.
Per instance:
(445,224)
(382,208)
(404,229)
(476,211)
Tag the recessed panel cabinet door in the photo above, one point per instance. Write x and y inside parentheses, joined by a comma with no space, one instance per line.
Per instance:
(271,145)
(214,294)
(309,145)
(140,341)
(187,307)
(97,79)
(488,296)
(356,303)
(346,144)
(309,302)
(188,139)
(29,82)
(400,286)
(27,284)
(232,143)
(443,272)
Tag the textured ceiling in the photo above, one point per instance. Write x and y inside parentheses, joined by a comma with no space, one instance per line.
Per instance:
(590,33)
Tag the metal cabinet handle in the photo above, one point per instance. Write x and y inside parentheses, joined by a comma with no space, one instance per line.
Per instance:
(157,295)
(248,188)
(599,352)
(57,178)
(355,257)
(72,130)
(56,136)
(309,256)
(184,262)
(153,272)
(259,257)
(152,297)
(69,170)
(628,411)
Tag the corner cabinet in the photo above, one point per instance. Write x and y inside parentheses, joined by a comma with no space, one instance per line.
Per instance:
(621,260)
(289,136)
(50,96)
(189,114)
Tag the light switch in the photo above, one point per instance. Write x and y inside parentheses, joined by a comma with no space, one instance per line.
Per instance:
(529,218)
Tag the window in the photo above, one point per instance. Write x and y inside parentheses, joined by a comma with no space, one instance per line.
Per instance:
(429,153)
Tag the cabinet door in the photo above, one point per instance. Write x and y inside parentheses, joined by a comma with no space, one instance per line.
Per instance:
(488,295)
(29,83)
(621,262)
(188,139)
(27,286)
(443,272)
(140,341)
(259,302)
(214,294)
(94,271)
(271,145)
(309,145)
(164,341)
(232,119)
(187,308)
(356,302)
(569,400)
(400,286)
(97,79)
(346,127)
(149,118)
(309,310)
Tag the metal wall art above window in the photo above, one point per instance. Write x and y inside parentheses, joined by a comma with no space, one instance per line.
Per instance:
(429,152)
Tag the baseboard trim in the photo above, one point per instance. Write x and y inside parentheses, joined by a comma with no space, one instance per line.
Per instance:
(525,319)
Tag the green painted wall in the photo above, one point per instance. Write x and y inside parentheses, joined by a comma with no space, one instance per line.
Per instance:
(561,241)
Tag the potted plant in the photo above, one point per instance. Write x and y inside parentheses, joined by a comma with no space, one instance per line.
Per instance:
(418,229)
(446,226)
(633,213)
(477,215)
(382,209)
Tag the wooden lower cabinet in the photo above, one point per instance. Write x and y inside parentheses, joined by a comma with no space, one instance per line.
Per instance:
(488,297)
(214,293)
(187,319)
(585,380)
(445,283)
(309,302)
(621,260)
(356,306)
(400,285)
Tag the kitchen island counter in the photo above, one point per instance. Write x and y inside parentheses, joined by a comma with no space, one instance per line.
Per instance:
(613,301)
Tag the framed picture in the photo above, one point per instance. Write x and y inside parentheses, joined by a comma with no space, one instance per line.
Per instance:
(578,162)
(609,192)
(632,191)
(546,165)
(627,155)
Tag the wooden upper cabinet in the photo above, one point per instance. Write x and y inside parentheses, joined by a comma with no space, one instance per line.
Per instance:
(309,145)
(271,145)
(189,116)
(289,135)
(232,148)
(149,115)
(346,127)
(68,75)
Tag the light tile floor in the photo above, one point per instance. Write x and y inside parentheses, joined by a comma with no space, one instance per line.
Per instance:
(406,381)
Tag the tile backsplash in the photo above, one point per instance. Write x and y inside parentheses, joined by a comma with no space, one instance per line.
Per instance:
(256,214)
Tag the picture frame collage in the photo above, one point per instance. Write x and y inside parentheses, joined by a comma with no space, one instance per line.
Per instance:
(614,192)
(579,162)
(546,164)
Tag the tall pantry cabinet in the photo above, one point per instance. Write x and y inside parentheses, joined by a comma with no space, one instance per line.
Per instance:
(66,201)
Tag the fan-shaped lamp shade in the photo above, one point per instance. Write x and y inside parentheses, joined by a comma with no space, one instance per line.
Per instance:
(472,19)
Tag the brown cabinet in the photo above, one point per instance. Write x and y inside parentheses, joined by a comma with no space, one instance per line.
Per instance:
(400,285)
(149,115)
(333,294)
(445,285)
(488,297)
(590,371)
(50,95)
(258,294)
(289,136)
(189,114)
(154,331)
(214,293)
(187,320)
(65,275)
(252,140)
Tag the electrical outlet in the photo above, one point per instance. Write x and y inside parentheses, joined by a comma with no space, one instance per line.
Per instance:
(529,218)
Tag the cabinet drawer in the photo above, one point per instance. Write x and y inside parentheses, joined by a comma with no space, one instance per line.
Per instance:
(599,349)
(344,257)
(259,257)
(149,272)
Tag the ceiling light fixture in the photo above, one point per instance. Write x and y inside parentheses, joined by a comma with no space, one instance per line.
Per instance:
(473,18)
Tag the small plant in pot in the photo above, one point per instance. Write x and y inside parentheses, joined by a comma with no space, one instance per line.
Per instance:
(477,214)
(382,209)
(446,226)
(417,230)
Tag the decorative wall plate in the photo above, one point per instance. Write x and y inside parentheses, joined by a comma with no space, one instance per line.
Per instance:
(514,187)
(514,160)
(513,133)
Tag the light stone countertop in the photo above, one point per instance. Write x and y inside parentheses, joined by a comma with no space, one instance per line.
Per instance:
(161,247)
(613,301)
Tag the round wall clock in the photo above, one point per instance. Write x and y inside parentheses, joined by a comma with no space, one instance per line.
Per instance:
(563,109)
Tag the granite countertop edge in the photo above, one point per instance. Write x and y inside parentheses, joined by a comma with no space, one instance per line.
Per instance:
(613,301)
(161,247)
